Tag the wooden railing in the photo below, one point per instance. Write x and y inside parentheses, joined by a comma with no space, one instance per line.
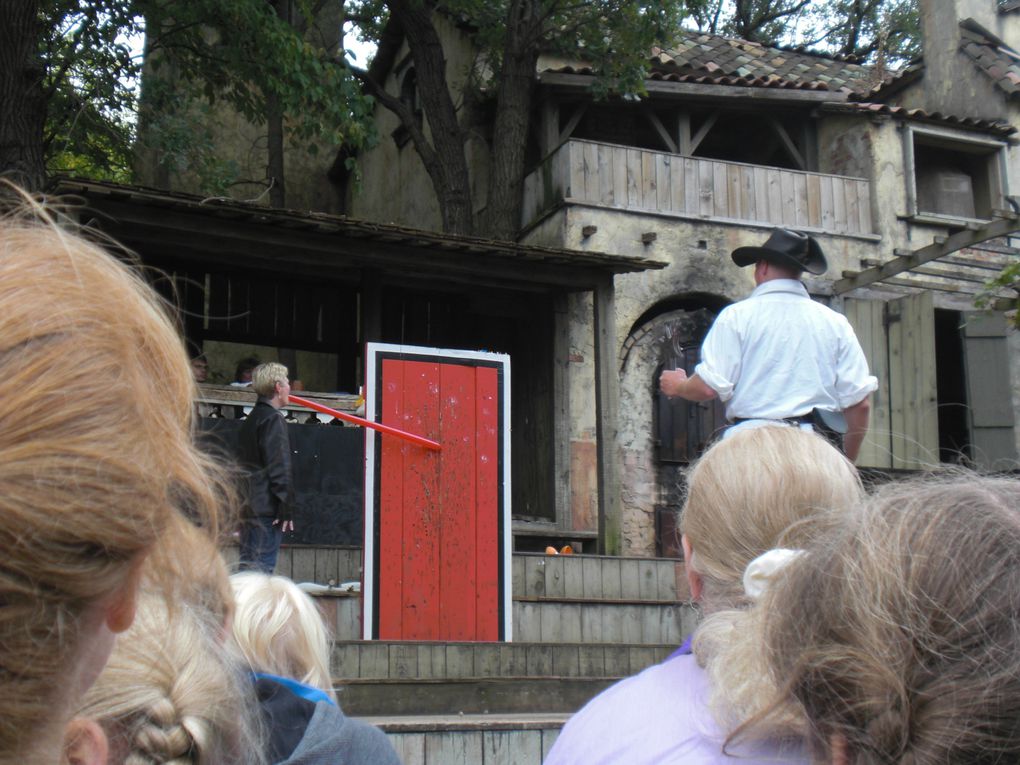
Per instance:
(651,181)
(230,402)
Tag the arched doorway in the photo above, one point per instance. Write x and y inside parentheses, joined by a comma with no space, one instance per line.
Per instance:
(659,436)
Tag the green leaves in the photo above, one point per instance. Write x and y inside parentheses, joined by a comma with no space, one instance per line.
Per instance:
(89,81)
(241,52)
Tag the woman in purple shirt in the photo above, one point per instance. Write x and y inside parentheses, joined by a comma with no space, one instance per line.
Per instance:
(760,489)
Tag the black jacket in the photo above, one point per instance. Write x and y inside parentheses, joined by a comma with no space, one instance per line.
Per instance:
(265,453)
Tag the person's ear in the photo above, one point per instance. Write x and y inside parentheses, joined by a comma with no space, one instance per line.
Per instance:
(85,743)
(120,611)
(838,749)
(694,580)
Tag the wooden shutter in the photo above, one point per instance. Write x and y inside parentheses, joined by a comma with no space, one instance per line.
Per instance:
(898,339)
(913,416)
(989,395)
(867,317)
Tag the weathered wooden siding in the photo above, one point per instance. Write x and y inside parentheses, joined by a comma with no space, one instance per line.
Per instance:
(898,338)
(913,422)
(652,181)
(867,317)
(474,747)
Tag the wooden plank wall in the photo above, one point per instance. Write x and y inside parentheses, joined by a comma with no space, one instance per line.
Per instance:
(640,179)
(311,563)
(912,394)
(590,578)
(478,747)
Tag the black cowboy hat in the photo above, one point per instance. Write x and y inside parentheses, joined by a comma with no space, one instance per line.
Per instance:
(788,248)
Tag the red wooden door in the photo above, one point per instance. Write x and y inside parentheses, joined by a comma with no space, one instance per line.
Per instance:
(438,543)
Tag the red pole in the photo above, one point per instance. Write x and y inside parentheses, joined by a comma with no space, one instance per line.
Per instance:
(420,440)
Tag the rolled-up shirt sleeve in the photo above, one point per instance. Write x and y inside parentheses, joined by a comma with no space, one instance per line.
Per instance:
(853,382)
(719,368)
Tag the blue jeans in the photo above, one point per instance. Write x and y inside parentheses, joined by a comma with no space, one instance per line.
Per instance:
(260,543)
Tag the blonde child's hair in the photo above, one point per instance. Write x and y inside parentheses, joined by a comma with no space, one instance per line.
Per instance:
(171,693)
(774,486)
(96,455)
(279,629)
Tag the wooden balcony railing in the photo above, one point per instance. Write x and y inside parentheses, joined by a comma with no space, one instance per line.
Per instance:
(230,402)
(621,177)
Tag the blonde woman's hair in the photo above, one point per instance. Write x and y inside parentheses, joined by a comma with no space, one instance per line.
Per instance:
(279,629)
(767,487)
(96,454)
(900,632)
(265,376)
(171,693)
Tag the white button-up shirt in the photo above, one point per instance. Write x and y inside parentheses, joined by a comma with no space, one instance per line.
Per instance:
(780,354)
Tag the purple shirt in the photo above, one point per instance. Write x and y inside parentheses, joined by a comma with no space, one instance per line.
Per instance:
(660,716)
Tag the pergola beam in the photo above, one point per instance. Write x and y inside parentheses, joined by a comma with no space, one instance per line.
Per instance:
(941,247)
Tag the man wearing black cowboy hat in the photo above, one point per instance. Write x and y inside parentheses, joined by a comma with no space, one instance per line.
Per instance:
(780,356)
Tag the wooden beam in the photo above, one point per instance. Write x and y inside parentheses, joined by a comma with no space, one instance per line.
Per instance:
(703,131)
(961,276)
(550,126)
(788,143)
(810,136)
(342,251)
(607,398)
(561,412)
(371,308)
(683,133)
(660,129)
(688,90)
(923,284)
(949,260)
(937,249)
(219,255)
(575,119)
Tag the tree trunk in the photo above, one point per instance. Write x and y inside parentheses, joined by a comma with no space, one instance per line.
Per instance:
(274,150)
(22,102)
(510,132)
(444,159)
(274,129)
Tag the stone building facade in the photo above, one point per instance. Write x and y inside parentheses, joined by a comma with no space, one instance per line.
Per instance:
(905,178)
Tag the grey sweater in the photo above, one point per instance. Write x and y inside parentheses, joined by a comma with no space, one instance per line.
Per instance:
(332,738)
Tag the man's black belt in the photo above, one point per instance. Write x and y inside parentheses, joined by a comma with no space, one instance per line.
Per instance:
(804,419)
(822,422)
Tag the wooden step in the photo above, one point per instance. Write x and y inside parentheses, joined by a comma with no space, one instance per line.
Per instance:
(486,695)
(392,660)
(595,577)
(510,739)
(552,620)
(545,620)
(590,577)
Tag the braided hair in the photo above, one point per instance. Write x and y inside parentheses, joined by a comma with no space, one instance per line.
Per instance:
(171,694)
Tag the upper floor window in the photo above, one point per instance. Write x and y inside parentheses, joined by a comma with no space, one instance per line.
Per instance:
(953,175)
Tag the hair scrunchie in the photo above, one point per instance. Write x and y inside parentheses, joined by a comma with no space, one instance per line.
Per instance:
(759,573)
